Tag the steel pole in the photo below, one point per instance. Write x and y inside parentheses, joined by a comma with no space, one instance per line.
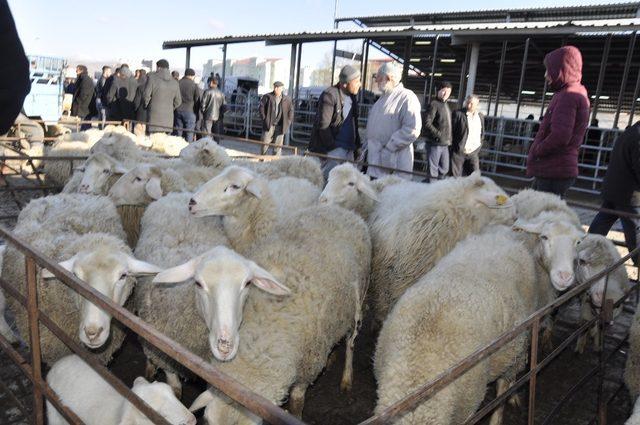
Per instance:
(603,67)
(523,70)
(625,77)
(433,67)
(500,73)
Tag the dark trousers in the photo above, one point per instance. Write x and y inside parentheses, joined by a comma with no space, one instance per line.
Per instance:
(603,222)
(215,127)
(185,121)
(438,161)
(458,161)
(557,186)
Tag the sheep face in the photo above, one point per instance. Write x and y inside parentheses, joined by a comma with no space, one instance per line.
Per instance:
(223,280)
(160,397)
(110,273)
(138,186)
(224,194)
(206,152)
(556,248)
(595,254)
(346,186)
(96,172)
(483,193)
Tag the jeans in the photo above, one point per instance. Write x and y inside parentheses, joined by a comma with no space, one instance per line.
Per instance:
(185,120)
(327,164)
(438,157)
(458,161)
(268,136)
(557,186)
(603,222)
(215,127)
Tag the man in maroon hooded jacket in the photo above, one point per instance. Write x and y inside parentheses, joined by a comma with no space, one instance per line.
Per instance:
(553,156)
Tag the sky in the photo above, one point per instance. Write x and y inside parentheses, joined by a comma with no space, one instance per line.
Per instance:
(116,31)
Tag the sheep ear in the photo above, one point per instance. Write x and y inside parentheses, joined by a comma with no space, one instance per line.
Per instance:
(365,188)
(264,280)
(527,226)
(178,273)
(201,401)
(67,265)
(140,381)
(153,188)
(137,267)
(118,168)
(477,179)
(255,188)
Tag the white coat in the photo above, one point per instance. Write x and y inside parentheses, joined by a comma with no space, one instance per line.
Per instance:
(393,125)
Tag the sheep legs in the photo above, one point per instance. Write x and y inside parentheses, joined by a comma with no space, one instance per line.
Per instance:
(296,399)
(174,382)
(502,386)
(347,374)
(150,370)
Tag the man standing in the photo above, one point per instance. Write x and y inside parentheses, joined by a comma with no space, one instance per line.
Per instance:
(185,117)
(335,129)
(161,98)
(553,157)
(213,104)
(83,104)
(276,111)
(467,131)
(101,91)
(621,188)
(394,124)
(121,95)
(437,125)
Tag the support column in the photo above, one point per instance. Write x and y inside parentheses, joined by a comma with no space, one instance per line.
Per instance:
(500,73)
(224,65)
(433,67)
(333,60)
(603,66)
(365,66)
(625,77)
(407,59)
(188,58)
(292,69)
(473,68)
(522,72)
(299,57)
(463,76)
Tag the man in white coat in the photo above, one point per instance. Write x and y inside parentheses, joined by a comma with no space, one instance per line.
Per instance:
(393,125)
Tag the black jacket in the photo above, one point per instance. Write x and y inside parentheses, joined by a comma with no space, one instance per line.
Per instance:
(460,130)
(190,94)
(437,123)
(267,111)
(138,100)
(623,173)
(329,120)
(121,97)
(84,99)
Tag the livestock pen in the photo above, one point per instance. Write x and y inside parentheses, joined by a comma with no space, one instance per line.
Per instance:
(609,348)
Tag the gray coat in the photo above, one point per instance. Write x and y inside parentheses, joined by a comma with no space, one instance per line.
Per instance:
(161,98)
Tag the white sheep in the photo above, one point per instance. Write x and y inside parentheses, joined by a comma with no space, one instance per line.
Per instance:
(85,234)
(479,290)
(415,224)
(634,419)
(278,315)
(250,205)
(145,183)
(353,190)
(96,176)
(205,152)
(595,254)
(122,147)
(58,172)
(169,236)
(530,203)
(166,144)
(96,402)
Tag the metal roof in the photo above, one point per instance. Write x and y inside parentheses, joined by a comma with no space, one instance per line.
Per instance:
(578,12)
(452,29)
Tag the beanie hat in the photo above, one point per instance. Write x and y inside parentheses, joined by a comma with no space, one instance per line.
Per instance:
(162,63)
(348,73)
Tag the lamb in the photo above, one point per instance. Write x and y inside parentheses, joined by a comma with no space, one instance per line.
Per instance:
(471,296)
(170,236)
(290,300)
(85,234)
(96,176)
(250,205)
(350,189)
(414,225)
(96,402)
(595,254)
(530,203)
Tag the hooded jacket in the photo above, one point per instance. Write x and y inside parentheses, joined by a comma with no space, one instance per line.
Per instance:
(554,152)
(161,98)
(121,96)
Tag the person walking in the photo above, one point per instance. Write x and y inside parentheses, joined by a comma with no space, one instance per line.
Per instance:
(101,91)
(552,160)
(185,116)
(84,100)
(213,104)
(467,130)
(393,125)
(621,189)
(276,111)
(335,129)
(437,126)
(121,95)
(161,98)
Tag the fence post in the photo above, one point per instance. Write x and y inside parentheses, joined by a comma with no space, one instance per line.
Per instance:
(34,337)
(535,330)
(248,117)
(606,315)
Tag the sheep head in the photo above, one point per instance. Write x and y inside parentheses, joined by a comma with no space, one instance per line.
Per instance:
(223,279)
(346,187)
(96,171)
(556,248)
(110,272)
(206,152)
(139,186)
(160,397)
(227,193)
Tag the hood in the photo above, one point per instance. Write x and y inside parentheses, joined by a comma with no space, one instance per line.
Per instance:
(164,74)
(564,66)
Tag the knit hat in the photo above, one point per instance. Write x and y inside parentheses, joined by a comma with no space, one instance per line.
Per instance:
(162,63)
(189,72)
(348,73)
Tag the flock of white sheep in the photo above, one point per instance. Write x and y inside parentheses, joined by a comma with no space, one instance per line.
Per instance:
(262,269)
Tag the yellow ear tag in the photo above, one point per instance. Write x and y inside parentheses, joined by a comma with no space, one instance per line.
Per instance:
(501,199)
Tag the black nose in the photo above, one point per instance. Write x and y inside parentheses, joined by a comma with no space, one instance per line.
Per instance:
(192,202)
